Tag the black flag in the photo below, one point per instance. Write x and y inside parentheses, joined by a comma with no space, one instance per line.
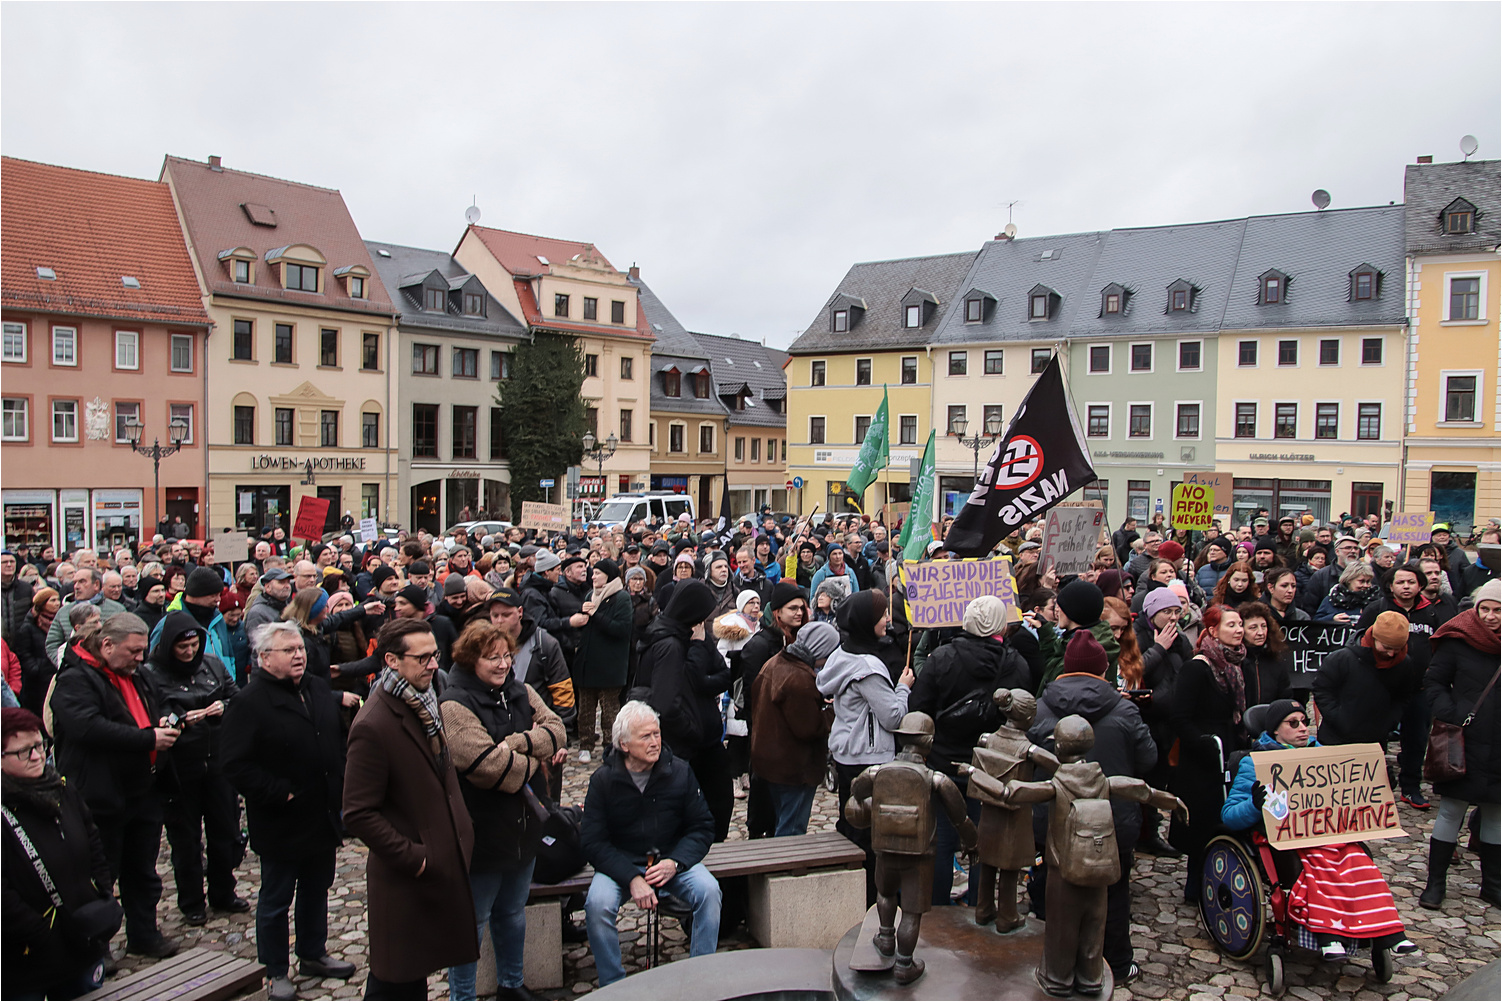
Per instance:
(1040,461)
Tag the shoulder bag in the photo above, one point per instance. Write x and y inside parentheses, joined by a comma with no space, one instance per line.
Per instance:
(1445,758)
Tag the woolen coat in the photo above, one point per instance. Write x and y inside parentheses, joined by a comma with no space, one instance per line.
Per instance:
(1458,674)
(605,645)
(408,811)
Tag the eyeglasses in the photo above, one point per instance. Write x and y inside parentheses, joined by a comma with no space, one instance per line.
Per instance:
(299,649)
(30,751)
(1297,721)
(420,658)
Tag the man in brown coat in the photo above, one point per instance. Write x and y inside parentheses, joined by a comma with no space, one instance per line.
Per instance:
(403,800)
(790,726)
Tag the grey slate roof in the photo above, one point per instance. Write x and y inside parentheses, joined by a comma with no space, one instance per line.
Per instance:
(882,285)
(1429,188)
(1318,251)
(676,347)
(672,337)
(1010,270)
(737,361)
(410,265)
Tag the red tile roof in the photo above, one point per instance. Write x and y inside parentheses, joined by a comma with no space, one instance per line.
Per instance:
(92,230)
(518,252)
(211,203)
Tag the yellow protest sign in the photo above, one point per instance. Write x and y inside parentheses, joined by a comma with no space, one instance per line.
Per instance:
(1328,795)
(939,590)
(1193,506)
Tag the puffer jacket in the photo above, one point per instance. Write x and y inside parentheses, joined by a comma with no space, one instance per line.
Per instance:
(1239,813)
(686,677)
(190,686)
(867,707)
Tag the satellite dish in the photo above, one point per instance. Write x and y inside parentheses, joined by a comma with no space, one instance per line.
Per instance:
(472,215)
(1010,229)
(1320,198)
(1469,145)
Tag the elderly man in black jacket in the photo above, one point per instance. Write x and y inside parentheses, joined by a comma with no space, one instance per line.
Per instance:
(646,830)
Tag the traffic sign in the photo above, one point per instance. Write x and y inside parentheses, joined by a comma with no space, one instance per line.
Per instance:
(798,482)
(548,482)
(790,485)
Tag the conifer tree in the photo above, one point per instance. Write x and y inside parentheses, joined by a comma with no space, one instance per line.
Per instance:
(542,415)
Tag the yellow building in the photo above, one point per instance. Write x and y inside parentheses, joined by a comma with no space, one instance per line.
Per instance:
(1452,229)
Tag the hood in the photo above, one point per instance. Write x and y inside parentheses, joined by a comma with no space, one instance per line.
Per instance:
(1266,742)
(1089,696)
(174,627)
(843,669)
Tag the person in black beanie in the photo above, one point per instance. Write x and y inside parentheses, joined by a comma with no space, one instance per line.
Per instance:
(785,613)
(1080,606)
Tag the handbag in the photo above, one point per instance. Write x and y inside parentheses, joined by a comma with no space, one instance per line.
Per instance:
(91,922)
(1444,759)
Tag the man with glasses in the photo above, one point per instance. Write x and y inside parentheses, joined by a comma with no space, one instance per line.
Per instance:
(283,749)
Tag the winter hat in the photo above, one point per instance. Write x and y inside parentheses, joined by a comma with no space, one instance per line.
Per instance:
(1247,547)
(231,599)
(636,572)
(1280,710)
(319,604)
(1489,592)
(743,598)
(203,582)
(1085,655)
(1159,599)
(1170,550)
(609,568)
(1266,543)
(784,592)
(42,596)
(546,561)
(691,602)
(1109,583)
(1082,602)
(1306,535)
(415,595)
(684,557)
(815,642)
(985,616)
(453,584)
(380,576)
(1179,588)
(1391,628)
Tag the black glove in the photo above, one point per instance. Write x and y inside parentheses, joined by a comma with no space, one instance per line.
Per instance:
(1259,795)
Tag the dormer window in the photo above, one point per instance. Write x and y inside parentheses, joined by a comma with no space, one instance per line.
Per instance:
(979,305)
(845,312)
(1180,301)
(918,308)
(1181,296)
(1113,300)
(1039,308)
(701,385)
(973,310)
(474,305)
(299,264)
(1042,303)
(301,277)
(356,287)
(355,278)
(1113,303)
(672,383)
(912,316)
(1366,282)
(1272,288)
(1458,218)
(841,321)
(433,300)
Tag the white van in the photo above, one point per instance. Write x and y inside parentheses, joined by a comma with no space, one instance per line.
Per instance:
(624,509)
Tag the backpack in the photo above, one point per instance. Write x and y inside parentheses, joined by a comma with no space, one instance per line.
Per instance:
(1088,856)
(902,816)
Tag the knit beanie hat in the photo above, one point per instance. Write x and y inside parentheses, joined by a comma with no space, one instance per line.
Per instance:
(1280,710)
(1391,629)
(231,599)
(203,582)
(784,592)
(453,584)
(546,561)
(1179,588)
(1082,602)
(684,557)
(608,568)
(636,572)
(1085,654)
(744,597)
(1489,592)
(415,595)
(1170,550)
(815,642)
(1159,599)
(380,575)
(1306,535)
(1109,583)
(985,616)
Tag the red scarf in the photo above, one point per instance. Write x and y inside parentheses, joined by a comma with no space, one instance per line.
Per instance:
(1382,662)
(1470,630)
(125,687)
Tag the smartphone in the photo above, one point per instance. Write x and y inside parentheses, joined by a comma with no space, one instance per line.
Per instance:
(173,720)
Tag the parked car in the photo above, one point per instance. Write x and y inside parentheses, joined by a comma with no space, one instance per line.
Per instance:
(476,530)
(623,509)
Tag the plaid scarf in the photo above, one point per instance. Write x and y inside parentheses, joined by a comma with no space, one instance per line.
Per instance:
(1225,668)
(423,703)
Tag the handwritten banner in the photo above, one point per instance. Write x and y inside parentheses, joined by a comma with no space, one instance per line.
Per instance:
(536,515)
(1220,483)
(1326,796)
(312,514)
(1192,506)
(1070,538)
(938,591)
(1308,645)
(1411,527)
(230,547)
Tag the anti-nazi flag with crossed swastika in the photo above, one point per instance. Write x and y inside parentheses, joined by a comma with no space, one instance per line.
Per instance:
(1040,461)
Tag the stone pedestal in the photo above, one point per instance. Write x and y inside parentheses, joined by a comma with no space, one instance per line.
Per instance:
(811,911)
(542,962)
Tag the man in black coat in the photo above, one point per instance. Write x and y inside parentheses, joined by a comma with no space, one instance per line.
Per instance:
(283,749)
(646,830)
(111,743)
(1361,690)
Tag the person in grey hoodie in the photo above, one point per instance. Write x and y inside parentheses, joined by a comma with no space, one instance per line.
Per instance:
(867,706)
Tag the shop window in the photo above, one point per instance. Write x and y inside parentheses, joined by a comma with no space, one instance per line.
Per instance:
(1452,496)
(370,500)
(1139,499)
(1366,499)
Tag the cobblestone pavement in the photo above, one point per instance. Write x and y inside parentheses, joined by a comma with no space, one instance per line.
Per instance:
(1178,959)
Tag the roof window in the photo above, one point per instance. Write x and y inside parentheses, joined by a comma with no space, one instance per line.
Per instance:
(979,305)
(1458,218)
(46,273)
(1113,300)
(130,281)
(1183,297)
(1042,303)
(260,215)
(383,252)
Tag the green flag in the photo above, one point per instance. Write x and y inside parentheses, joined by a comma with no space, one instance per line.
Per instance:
(916,532)
(873,452)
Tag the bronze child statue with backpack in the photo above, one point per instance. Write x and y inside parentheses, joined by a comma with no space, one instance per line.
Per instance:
(895,800)
(1081,854)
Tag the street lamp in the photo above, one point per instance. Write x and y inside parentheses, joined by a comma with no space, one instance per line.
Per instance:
(992,430)
(599,455)
(177,431)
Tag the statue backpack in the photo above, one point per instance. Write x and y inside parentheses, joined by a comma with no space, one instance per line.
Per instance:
(1085,852)
(902,808)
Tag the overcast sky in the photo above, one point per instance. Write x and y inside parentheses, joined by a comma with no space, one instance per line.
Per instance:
(744,155)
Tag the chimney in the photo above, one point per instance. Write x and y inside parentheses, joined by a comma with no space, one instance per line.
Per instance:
(1426,160)
(634,272)
(214,164)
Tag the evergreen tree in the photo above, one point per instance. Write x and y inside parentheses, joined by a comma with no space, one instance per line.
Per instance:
(542,414)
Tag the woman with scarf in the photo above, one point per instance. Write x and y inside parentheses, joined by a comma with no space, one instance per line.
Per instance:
(808,563)
(732,632)
(153,603)
(1237,585)
(1264,669)
(50,952)
(1208,703)
(1211,564)
(30,647)
(604,654)
(195,685)
(1356,589)
(501,735)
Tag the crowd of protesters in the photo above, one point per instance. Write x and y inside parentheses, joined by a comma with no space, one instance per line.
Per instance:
(424,694)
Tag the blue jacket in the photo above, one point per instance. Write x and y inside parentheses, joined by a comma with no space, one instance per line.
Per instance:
(1238,812)
(219,643)
(824,573)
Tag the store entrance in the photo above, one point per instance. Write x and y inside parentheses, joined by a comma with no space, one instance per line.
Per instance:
(258,507)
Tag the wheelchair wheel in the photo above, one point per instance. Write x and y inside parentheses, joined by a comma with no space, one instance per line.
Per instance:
(1275,980)
(1381,965)
(1232,901)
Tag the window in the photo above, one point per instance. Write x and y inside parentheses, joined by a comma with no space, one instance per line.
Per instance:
(740,450)
(1142,358)
(283,426)
(784,450)
(840,321)
(1098,421)
(1246,353)
(425,431)
(907,429)
(64,346)
(1368,422)
(1465,298)
(14,426)
(1371,351)
(1179,300)
(328,347)
(913,316)
(627,363)
(816,373)
(988,413)
(591,365)
(1329,351)
(1113,302)
(1272,289)
(182,353)
(956,418)
(592,420)
(1189,356)
(356,287)
(464,431)
(993,361)
(184,414)
(1140,421)
(1100,358)
(1246,420)
(242,272)
(433,300)
(466,363)
(625,424)
(591,307)
(1285,421)
(909,369)
(282,348)
(617,311)
(1460,398)
(15,343)
(672,383)
(1327,420)
(756,450)
(474,304)
(706,438)
(862,426)
(959,363)
(65,420)
(497,435)
(1139,498)
(370,431)
(1288,353)
(1459,218)
(301,276)
(127,350)
(815,431)
(863,372)
(675,436)
(425,359)
(1040,359)
(1188,421)
(500,366)
(974,311)
(244,339)
(560,304)
(1364,283)
(245,425)
(701,385)
(328,429)
(125,413)
(1038,307)
(370,500)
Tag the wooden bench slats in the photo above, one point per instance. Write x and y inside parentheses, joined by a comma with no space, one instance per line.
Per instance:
(197,973)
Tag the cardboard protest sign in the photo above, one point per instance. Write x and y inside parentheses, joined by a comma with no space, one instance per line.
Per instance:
(369,530)
(1326,796)
(1192,506)
(312,513)
(1220,483)
(1309,643)
(1411,528)
(536,515)
(938,591)
(230,547)
(1070,538)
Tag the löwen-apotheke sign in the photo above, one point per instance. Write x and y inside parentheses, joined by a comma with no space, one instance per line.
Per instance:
(320,463)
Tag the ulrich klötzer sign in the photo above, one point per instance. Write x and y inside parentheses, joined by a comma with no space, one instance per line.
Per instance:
(1326,796)
(938,591)
(1070,538)
(1192,507)
(536,515)
(1411,528)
